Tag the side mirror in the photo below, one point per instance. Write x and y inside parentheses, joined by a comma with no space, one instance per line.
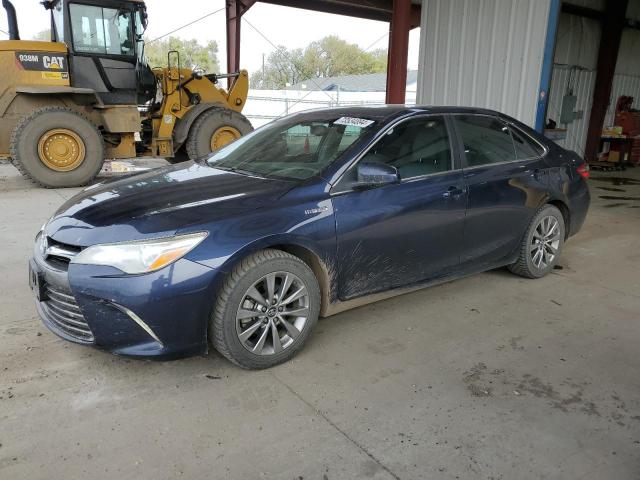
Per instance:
(372,174)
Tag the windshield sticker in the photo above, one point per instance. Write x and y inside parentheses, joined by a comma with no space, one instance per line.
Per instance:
(354,122)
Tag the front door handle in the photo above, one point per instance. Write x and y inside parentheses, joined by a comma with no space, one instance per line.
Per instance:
(453,192)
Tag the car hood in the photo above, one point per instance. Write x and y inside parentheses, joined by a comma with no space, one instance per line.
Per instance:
(159,202)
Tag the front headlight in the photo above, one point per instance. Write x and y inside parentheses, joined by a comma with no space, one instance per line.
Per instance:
(140,256)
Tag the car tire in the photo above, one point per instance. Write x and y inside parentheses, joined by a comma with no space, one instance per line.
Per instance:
(57,147)
(542,244)
(246,291)
(216,123)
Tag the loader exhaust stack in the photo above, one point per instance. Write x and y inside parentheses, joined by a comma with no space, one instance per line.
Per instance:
(14,34)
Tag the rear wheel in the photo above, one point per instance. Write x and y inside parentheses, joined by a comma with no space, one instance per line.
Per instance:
(265,310)
(57,147)
(542,244)
(214,129)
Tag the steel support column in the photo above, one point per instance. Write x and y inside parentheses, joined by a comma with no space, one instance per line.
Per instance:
(612,25)
(398,51)
(547,65)
(234,10)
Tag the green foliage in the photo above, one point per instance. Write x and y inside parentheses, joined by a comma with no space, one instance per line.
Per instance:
(192,54)
(328,57)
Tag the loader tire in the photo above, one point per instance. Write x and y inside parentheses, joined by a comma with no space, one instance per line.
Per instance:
(57,147)
(179,156)
(214,129)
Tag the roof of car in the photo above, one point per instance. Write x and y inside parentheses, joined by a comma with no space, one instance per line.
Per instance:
(386,112)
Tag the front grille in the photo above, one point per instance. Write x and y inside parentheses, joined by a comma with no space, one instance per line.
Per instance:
(64,313)
(58,254)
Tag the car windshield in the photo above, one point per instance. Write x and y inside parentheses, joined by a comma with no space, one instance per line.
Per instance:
(292,149)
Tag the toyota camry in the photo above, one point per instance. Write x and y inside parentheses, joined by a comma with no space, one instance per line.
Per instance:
(312,214)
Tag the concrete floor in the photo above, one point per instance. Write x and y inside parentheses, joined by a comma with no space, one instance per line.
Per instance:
(490,377)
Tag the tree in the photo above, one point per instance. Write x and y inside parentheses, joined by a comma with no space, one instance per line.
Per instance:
(44,35)
(192,54)
(327,57)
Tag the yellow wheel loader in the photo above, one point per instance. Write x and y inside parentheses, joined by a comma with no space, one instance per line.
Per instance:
(89,94)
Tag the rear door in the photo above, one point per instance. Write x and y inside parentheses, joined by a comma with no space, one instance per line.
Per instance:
(506,182)
(406,232)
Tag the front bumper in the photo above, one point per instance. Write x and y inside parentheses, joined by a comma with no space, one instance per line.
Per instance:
(163,314)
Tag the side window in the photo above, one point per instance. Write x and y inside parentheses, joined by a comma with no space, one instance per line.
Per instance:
(101,30)
(486,140)
(58,22)
(416,147)
(525,147)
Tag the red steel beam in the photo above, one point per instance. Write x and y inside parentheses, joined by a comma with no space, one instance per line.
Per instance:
(612,25)
(398,51)
(381,10)
(234,11)
(401,14)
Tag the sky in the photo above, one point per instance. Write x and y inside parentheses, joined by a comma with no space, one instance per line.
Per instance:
(291,27)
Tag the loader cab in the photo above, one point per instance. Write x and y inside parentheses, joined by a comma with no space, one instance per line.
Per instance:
(106,50)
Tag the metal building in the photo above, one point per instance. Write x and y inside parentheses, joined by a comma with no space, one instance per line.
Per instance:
(527,58)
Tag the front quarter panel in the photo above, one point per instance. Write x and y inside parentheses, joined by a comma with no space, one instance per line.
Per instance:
(303,217)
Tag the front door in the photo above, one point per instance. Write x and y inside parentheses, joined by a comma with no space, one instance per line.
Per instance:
(407,232)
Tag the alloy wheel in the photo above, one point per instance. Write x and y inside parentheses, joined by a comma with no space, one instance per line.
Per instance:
(272,314)
(545,242)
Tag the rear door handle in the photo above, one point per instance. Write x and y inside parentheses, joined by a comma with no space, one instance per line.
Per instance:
(453,192)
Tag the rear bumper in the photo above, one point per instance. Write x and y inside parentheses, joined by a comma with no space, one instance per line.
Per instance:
(579,206)
(160,315)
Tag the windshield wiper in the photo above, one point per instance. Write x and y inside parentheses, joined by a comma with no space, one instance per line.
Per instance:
(238,170)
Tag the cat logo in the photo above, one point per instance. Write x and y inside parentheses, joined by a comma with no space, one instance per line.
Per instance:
(53,63)
(42,61)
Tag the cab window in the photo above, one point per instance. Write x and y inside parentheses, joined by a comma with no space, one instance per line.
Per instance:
(101,30)
(58,23)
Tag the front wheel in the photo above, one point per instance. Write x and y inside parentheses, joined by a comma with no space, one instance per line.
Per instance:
(57,147)
(266,310)
(542,244)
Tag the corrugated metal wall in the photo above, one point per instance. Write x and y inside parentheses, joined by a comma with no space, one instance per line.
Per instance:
(576,55)
(484,53)
(582,83)
(628,85)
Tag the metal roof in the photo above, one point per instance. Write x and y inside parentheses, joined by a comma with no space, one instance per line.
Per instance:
(371,9)
(369,82)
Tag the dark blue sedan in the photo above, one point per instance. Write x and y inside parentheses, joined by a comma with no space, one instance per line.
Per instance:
(310,215)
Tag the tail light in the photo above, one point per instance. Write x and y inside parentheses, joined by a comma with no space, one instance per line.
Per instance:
(583,170)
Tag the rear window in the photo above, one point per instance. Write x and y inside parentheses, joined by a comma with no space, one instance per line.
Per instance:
(486,140)
(525,146)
